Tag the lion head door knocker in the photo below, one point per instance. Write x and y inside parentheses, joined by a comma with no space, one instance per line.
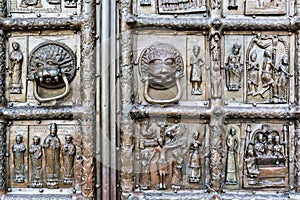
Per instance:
(161,67)
(52,65)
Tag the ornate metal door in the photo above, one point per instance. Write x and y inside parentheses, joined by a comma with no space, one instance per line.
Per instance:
(47,76)
(209,99)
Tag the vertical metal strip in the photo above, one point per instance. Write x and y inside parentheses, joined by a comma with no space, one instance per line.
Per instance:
(87,18)
(105,96)
(297,123)
(113,100)
(126,85)
(217,114)
(3,170)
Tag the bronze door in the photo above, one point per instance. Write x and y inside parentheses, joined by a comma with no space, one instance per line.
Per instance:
(47,99)
(209,96)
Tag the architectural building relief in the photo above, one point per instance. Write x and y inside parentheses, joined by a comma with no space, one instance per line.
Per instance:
(266,157)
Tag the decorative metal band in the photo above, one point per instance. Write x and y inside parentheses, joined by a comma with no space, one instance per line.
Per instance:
(2,69)
(190,112)
(261,112)
(297,70)
(297,156)
(2,157)
(126,102)
(242,23)
(87,18)
(39,23)
(37,113)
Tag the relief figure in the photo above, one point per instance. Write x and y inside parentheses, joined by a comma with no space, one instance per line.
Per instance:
(18,150)
(36,153)
(260,145)
(145,178)
(231,169)
(195,162)
(68,153)
(251,166)
(283,77)
(278,149)
(52,147)
(196,71)
(233,68)
(269,146)
(162,164)
(267,75)
(253,78)
(177,165)
(16,60)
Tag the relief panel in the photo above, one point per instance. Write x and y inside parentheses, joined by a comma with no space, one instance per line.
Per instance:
(42,75)
(259,68)
(170,156)
(266,156)
(231,159)
(183,78)
(190,7)
(233,7)
(17,8)
(44,156)
(266,7)
(233,68)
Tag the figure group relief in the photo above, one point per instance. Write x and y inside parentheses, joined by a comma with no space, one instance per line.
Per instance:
(171,158)
(266,152)
(268,69)
(45,160)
